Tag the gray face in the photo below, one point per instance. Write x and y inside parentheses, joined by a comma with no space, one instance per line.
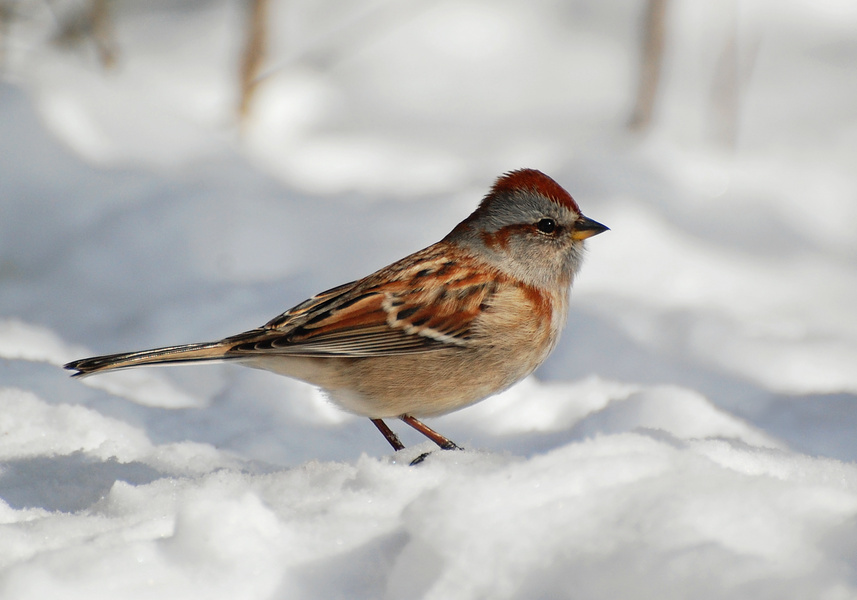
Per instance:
(527,235)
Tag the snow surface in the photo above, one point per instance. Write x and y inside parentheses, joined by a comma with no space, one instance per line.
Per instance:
(692,436)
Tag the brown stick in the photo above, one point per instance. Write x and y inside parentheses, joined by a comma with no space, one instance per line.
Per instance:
(102,33)
(254,54)
(654,30)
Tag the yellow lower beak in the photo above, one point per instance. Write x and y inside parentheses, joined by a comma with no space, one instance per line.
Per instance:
(585,227)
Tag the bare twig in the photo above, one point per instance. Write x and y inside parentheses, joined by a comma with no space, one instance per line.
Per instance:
(7,12)
(254,53)
(102,33)
(92,23)
(654,31)
(731,76)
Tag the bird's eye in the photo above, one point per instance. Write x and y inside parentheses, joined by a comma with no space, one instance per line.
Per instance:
(546,225)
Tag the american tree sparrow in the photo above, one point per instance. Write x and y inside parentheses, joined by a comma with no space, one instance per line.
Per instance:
(433,332)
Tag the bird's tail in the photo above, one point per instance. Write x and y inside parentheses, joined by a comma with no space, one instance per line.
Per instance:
(172,355)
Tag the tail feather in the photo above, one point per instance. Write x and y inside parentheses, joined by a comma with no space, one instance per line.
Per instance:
(159,356)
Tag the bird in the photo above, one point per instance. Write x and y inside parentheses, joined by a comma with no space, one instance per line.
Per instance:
(434,332)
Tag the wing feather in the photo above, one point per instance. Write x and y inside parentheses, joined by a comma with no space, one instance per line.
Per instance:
(420,304)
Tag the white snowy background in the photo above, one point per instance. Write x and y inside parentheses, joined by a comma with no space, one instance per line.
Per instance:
(692,436)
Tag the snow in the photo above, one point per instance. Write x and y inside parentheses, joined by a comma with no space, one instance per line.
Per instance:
(692,435)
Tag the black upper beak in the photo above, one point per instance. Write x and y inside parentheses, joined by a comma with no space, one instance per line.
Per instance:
(585,227)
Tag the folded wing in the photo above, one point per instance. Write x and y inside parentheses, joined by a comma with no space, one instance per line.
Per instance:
(429,305)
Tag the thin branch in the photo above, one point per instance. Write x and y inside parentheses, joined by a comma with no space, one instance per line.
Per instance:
(254,54)
(91,23)
(654,32)
(102,33)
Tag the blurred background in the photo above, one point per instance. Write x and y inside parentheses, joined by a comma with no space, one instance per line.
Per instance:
(180,170)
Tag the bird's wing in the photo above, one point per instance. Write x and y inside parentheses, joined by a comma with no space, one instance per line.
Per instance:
(419,305)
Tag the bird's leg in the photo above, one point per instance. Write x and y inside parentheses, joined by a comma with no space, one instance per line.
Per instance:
(444,443)
(389,434)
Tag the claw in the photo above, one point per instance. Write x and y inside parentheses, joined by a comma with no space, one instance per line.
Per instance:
(419,459)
